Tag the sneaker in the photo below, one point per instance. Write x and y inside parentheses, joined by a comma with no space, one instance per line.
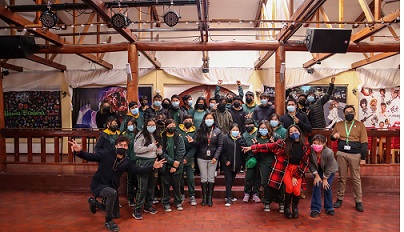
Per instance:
(359,206)
(330,212)
(314,214)
(93,206)
(156,200)
(179,207)
(228,203)
(192,200)
(256,198)
(233,199)
(281,208)
(150,210)
(241,171)
(266,208)
(338,204)
(246,197)
(215,173)
(131,203)
(167,208)
(111,226)
(137,215)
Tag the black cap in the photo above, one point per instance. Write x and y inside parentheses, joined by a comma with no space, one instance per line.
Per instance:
(249,93)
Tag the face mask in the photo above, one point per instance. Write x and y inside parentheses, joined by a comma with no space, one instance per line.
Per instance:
(113,128)
(209,122)
(302,102)
(310,98)
(274,123)
(291,109)
(166,105)
(349,117)
(199,106)
(175,104)
(234,133)
(190,102)
(236,104)
(229,100)
(264,101)
(187,124)
(130,128)
(121,151)
(134,111)
(151,129)
(249,100)
(295,136)
(249,128)
(263,131)
(221,107)
(107,109)
(171,130)
(157,103)
(143,104)
(211,105)
(317,148)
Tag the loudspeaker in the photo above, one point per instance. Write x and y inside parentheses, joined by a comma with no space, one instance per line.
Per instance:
(327,40)
(17,46)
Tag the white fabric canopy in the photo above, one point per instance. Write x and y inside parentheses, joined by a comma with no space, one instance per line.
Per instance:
(379,78)
(228,75)
(33,81)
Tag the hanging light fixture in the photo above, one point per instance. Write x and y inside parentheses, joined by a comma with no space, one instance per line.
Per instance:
(119,20)
(171,18)
(48,18)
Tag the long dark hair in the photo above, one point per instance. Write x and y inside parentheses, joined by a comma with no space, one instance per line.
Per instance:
(205,106)
(289,141)
(134,123)
(267,125)
(146,134)
(203,129)
(110,119)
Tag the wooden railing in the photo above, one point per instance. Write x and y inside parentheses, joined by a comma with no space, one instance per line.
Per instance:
(52,147)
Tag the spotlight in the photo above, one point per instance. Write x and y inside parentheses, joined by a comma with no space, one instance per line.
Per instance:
(119,20)
(310,70)
(171,18)
(48,18)
(318,62)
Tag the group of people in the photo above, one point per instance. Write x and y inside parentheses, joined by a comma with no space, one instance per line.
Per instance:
(158,145)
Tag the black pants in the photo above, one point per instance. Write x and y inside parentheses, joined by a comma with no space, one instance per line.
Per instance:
(169,179)
(229,177)
(145,186)
(131,185)
(111,203)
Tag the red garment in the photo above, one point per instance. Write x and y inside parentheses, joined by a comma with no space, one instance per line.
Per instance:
(288,180)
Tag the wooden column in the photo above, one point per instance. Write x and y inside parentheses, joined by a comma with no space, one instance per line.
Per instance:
(132,85)
(3,156)
(279,82)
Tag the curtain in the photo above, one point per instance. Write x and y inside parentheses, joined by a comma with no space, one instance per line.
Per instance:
(379,78)
(33,81)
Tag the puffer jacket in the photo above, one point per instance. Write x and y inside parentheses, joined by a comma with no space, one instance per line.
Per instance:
(316,110)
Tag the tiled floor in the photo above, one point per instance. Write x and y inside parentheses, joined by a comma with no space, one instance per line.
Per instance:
(38,211)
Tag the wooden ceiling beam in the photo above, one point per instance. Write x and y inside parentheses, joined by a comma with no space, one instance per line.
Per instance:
(366,10)
(3,64)
(362,16)
(258,14)
(46,62)
(372,59)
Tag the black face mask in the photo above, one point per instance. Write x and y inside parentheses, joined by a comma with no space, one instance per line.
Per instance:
(106,109)
(113,128)
(171,130)
(143,104)
(199,106)
(249,128)
(121,151)
(249,100)
(349,117)
(166,105)
(236,104)
(221,107)
(302,102)
(187,124)
(229,100)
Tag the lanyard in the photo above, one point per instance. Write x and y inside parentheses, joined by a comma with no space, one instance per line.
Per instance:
(293,119)
(348,132)
(210,136)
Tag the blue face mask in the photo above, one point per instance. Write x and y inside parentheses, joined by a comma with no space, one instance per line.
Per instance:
(310,99)
(175,103)
(234,133)
(274,123)
(295,136)
(264,101)
(151,129)
(130,128)
(190,102)
(211,105)
(209,122)
(134,111)
(157,103)
(263,131)
(291,109)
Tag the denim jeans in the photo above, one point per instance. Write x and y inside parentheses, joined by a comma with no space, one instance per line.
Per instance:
(316,196)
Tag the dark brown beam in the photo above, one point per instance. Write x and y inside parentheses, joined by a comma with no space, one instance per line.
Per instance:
(47,62)
(211,46)
(372,59)
(11,66)
(258,15)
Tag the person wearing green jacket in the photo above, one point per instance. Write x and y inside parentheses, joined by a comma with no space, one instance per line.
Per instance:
(277,126)
(133,112)
(249,105)
(171,173)
(229,96)
(187,128)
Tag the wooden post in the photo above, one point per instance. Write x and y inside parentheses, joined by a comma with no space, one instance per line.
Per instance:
(3,155)
(279,82)
(133,84)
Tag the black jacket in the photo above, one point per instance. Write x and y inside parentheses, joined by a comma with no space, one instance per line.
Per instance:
(303,124)
(238,117)
(101,119)
(107,175)
(105,143)
(316,110)
(152,113)
(263,113)
(216,146)
(232,152)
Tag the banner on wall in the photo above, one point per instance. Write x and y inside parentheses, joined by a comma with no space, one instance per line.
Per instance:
(380,108)
(87,101)
(32,109)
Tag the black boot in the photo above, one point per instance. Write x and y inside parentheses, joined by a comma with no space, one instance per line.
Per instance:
(211,186)
(204,193)
(295,203)
(288,199)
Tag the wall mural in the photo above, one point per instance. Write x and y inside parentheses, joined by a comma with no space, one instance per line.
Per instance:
(32,109)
